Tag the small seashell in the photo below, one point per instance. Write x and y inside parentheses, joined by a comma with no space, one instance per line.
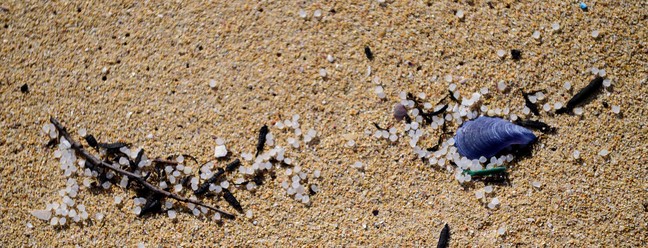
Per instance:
(486,136)
(399,111)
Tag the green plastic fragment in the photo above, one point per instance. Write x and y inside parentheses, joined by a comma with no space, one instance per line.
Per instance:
(486,172)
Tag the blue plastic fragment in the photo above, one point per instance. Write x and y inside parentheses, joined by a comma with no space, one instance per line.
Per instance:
(583,6)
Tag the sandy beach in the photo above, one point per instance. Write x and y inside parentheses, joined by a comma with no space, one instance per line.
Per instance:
(140,72)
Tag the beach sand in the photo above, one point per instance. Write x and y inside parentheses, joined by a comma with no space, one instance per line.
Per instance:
(127,70)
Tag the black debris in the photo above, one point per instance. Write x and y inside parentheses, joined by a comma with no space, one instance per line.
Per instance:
(262,139)
(582,95)
(444,238)
(92,142)
(232,200)
(530,105)
(516,54)
(368,53)
(378,127)
(440,111)
(537,125)
(375,212)
(112,146)
(452,97)
(233,165)
(153,204)
(138,159)
(24,88)
(202,189)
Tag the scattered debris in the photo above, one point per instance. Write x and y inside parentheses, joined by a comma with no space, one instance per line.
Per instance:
(582,95)
(368,53)
(229,197)
(516,54)
(24,88)
(444,237)
(537,125)
(263,132)
(530,104)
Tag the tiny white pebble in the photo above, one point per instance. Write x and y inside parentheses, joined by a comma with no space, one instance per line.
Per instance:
(536,35)
(317,13)
(576,154)
(555,26)
(330,58)
(501,86)
(603,152)
(322,72)
(302,13)
(249,214)
(607,82)
(558,105)
(448,78)
(172,214)
(212,83)
(546,107)
(220,151)
(501,53)
(501,231)
(602,73)
(578,111)
(536,184)
(567,85)
(595,34)
(616,109)
(460,14)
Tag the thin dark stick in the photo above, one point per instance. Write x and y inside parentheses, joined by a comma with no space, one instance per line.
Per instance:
(97,162)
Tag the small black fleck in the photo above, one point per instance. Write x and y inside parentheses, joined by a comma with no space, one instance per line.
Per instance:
(368,53)
(127,35)
(118,61)
(516,54)
(104,78)
(99,48)
(461,63)
(278,54)
(332,11)
(375,212)
(6,26)
(79,9)
(605,104)
(113,37)
(200,48)
(24,88)
(187,65)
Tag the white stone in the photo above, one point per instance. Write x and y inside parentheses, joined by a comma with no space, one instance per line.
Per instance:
(220,151)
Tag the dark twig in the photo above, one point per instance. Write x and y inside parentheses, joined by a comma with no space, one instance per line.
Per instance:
(139,179)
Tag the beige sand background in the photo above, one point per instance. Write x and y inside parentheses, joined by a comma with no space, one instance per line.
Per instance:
(160,57)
